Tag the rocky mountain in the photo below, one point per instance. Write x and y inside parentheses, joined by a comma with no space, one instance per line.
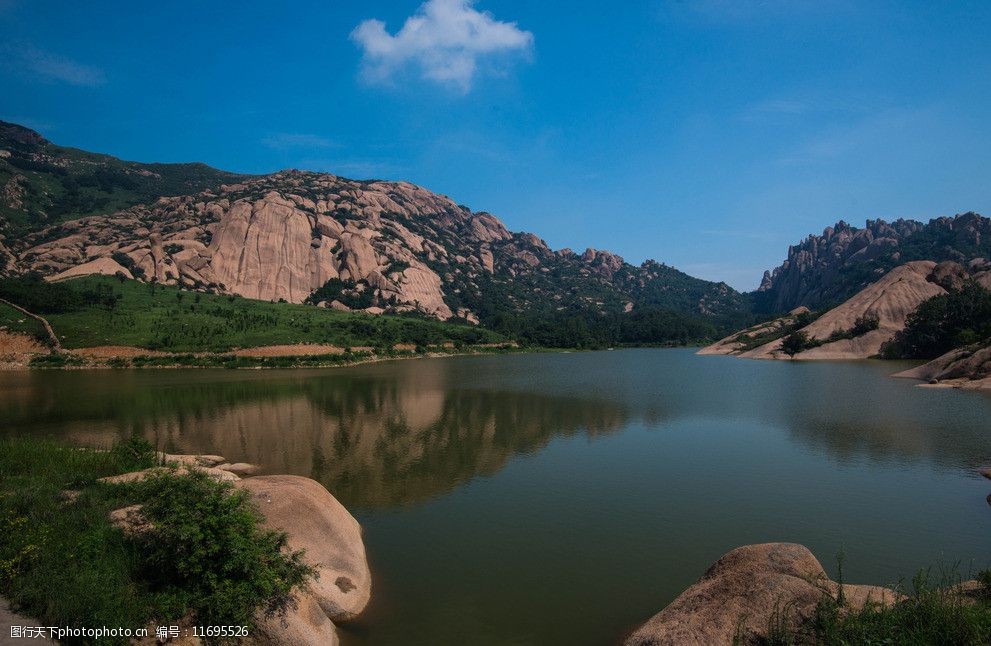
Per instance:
(860,326)
(825,270)
(42,183)
(376,246)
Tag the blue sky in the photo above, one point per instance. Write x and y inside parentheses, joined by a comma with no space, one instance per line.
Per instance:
(709,135)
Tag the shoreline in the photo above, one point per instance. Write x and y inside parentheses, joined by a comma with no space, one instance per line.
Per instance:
(230,361)
(266,357)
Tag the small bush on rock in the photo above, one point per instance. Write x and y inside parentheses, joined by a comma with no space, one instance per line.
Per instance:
(208,554)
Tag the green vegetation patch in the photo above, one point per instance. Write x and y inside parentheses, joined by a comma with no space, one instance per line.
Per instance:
(14,321)
(101,310)
(932,614)
(55,183)
(62,562)
(943,323)
(797,341)
(789,327)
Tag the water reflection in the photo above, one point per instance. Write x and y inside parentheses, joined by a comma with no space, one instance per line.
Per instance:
(396,433)
(375,437)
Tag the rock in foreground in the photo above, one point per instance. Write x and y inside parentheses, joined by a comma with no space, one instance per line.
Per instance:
(738,596)
(306,625)
(316,522)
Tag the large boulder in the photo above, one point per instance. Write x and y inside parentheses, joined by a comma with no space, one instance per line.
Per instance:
(737,598)
(968,367)
(138,476)
(316,522)
(180,470)
(304,625)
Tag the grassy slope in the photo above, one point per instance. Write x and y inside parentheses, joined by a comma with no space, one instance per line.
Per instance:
(166,318)
(14,321)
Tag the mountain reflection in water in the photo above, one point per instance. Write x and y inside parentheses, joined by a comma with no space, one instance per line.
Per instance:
(381,437)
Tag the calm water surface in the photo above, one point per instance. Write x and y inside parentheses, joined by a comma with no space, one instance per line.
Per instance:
(564,498)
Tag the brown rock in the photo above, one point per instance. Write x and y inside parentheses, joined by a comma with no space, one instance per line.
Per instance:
(968,367)
(891,299)
(306,625)
(239,468)
(191,460)
(316,522)
(949,275)
(131,520)
(741,592)
(137,476)
(101,266)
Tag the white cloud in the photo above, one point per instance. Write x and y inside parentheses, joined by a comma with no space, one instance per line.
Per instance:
(444,40)
(53,67)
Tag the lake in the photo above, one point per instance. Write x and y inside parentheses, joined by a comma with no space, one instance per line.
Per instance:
(565,498)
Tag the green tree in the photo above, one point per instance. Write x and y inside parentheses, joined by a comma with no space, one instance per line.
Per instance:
(795,343)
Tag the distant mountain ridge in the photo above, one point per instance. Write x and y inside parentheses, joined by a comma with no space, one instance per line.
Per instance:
(394,247)
(375,246)
(825,270)
(42,183)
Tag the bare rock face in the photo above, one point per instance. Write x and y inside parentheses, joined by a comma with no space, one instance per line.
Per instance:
(100,266)
(890,299)
(265,250)
(735,343)
(305,625)
(967,368)
(738,595)
(283,236)
(316,522)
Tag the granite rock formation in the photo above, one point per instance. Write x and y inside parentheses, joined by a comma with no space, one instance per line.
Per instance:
(824,270)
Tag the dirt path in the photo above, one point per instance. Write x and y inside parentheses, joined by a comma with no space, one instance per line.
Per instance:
(48,328)
(8,619)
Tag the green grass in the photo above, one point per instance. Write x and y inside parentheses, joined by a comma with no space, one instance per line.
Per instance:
(930,615)
(62,562)
(166,318)
(791,323)
(14,321)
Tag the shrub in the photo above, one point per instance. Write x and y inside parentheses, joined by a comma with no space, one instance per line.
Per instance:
(943,323)
(208,554)
(63,562)
(795,343)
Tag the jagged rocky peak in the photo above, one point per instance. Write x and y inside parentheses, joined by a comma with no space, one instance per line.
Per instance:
(603,262)
(825,269)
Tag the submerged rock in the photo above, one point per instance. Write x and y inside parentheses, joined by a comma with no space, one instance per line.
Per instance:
(316,522)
